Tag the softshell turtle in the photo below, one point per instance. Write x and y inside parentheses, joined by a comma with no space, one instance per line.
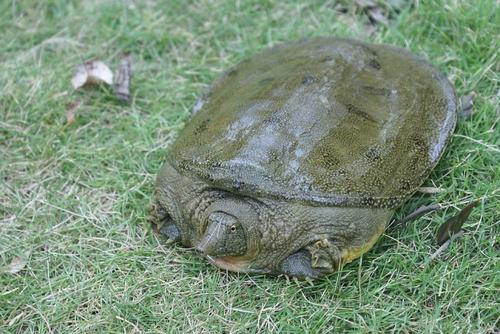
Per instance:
(296,158)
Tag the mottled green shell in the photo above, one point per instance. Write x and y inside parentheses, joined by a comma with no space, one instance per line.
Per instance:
(326,121)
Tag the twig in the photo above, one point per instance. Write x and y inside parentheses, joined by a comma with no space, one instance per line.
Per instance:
(416,214)
(446,245)
(430,190)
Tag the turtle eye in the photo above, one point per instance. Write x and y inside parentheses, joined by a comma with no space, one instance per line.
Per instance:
(233,228)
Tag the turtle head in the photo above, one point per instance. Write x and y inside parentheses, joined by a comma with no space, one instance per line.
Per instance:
(224,236)
(229,239)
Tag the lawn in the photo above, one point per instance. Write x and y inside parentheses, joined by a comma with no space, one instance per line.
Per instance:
(74,197)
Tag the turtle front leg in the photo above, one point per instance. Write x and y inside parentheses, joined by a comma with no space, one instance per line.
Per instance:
(171,231)
(313,261)
(163,223)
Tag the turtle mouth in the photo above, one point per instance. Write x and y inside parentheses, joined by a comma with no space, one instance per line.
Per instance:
(231,263)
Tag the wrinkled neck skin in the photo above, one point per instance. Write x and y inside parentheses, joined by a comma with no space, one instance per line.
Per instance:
(277,234)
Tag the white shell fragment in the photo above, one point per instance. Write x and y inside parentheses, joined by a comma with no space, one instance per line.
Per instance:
(92,72)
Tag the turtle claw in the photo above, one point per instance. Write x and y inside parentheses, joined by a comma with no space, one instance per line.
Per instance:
(170,241)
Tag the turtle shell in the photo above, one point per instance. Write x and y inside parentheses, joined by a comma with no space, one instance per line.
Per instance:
(325,121)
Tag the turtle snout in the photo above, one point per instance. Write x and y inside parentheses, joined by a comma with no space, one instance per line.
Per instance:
(201,247)
(205,249)
(209,243)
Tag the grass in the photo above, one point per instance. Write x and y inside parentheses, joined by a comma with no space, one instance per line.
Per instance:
(73,198)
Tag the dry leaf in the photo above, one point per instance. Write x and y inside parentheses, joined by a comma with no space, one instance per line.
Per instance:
(92,72)
(71,110)
(98,73)
(454,224)
(122,84)
(80,77)
(16,265)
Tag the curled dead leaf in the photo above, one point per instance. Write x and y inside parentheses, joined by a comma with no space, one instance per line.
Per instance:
(92,72)
(80,77)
